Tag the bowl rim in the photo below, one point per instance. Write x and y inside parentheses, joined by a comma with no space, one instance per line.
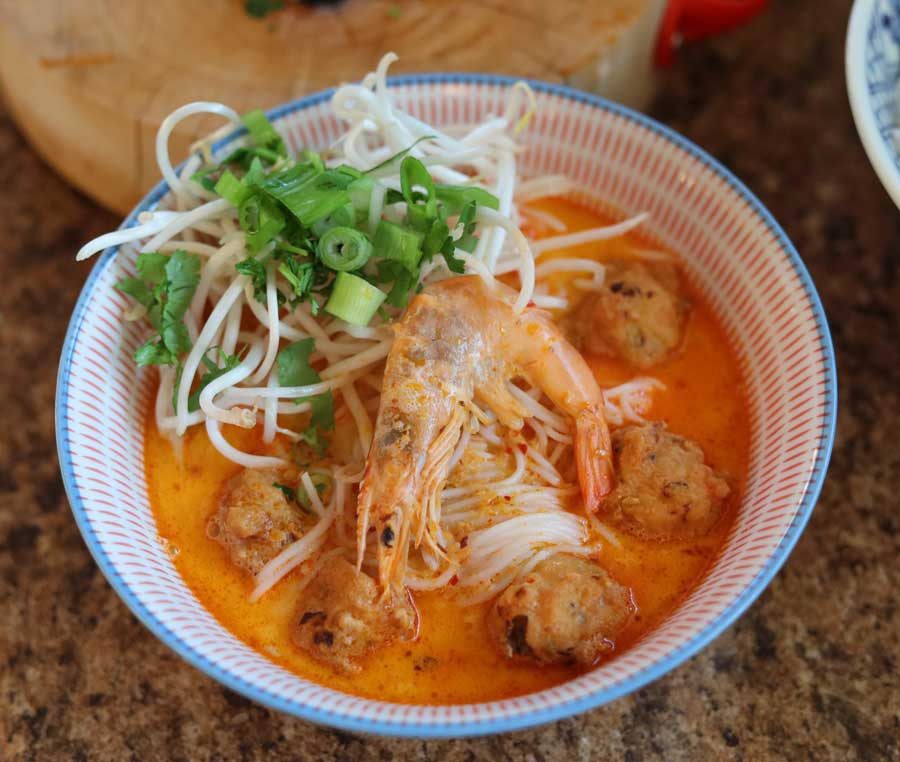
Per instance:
(531,717)
(879,154)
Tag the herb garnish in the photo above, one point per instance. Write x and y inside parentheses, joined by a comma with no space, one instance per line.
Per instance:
(164,289)
(294,370)
(314,221)
(229,362)
(300,495)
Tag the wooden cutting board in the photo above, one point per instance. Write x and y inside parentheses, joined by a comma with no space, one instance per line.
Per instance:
(90,81)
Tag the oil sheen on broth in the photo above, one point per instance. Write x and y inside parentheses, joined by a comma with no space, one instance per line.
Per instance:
(454,660)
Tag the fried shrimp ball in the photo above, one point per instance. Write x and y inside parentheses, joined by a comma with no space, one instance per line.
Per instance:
(664,488)
(340,618)
(255,520)
(566,610)
(638,315)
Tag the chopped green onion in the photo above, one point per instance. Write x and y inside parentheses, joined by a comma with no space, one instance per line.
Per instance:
(345,216)
(203,177)
(435,238)
(255,174)
(308,194)
(232,189)
(261,220)
(353,172)
(313,159)
(338,178)
(467,241)
(263,133)
(413,175)
(360,192)
(244,156)
(398,244)
(344,249)
(455,197)
(354,299)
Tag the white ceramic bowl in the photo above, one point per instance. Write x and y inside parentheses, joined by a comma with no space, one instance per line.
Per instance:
(872,60)
(734,252)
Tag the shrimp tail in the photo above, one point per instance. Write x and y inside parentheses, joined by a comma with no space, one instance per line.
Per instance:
(593,457)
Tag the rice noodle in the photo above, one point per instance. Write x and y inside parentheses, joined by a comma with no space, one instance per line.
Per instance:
(262,371)
(554,243)
(541,187)
(149,223)
(546,219)
(630,402)
(169,124)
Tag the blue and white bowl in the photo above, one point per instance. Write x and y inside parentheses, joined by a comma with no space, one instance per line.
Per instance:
(873,72)
(734,252)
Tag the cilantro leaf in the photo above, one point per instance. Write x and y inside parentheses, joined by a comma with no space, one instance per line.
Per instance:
(165,290)
(182,272)
(229,362)
(390,271)
(256,271)
(466,241)
(294,370)
(300,274)
(152,266)
(288,492)
(154,352)
(263,134)
(454,263)
(299,495)
(137,290)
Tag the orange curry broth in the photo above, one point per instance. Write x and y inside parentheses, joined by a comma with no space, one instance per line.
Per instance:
(453,660)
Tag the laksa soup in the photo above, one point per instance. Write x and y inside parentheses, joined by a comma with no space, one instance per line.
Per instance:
(426,430)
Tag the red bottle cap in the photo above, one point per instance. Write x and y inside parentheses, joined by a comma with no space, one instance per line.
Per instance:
(688,20)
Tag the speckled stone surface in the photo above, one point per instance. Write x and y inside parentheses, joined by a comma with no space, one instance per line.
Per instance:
(809,673)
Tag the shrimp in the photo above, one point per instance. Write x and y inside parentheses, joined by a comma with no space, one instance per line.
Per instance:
(458,345)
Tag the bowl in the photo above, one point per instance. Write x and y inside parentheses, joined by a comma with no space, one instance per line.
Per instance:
(735,253)
(872,61)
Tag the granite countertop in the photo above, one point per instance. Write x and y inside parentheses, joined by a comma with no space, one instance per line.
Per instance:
(808,673)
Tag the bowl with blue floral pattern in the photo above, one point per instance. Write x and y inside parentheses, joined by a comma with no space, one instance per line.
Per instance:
(873,74)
